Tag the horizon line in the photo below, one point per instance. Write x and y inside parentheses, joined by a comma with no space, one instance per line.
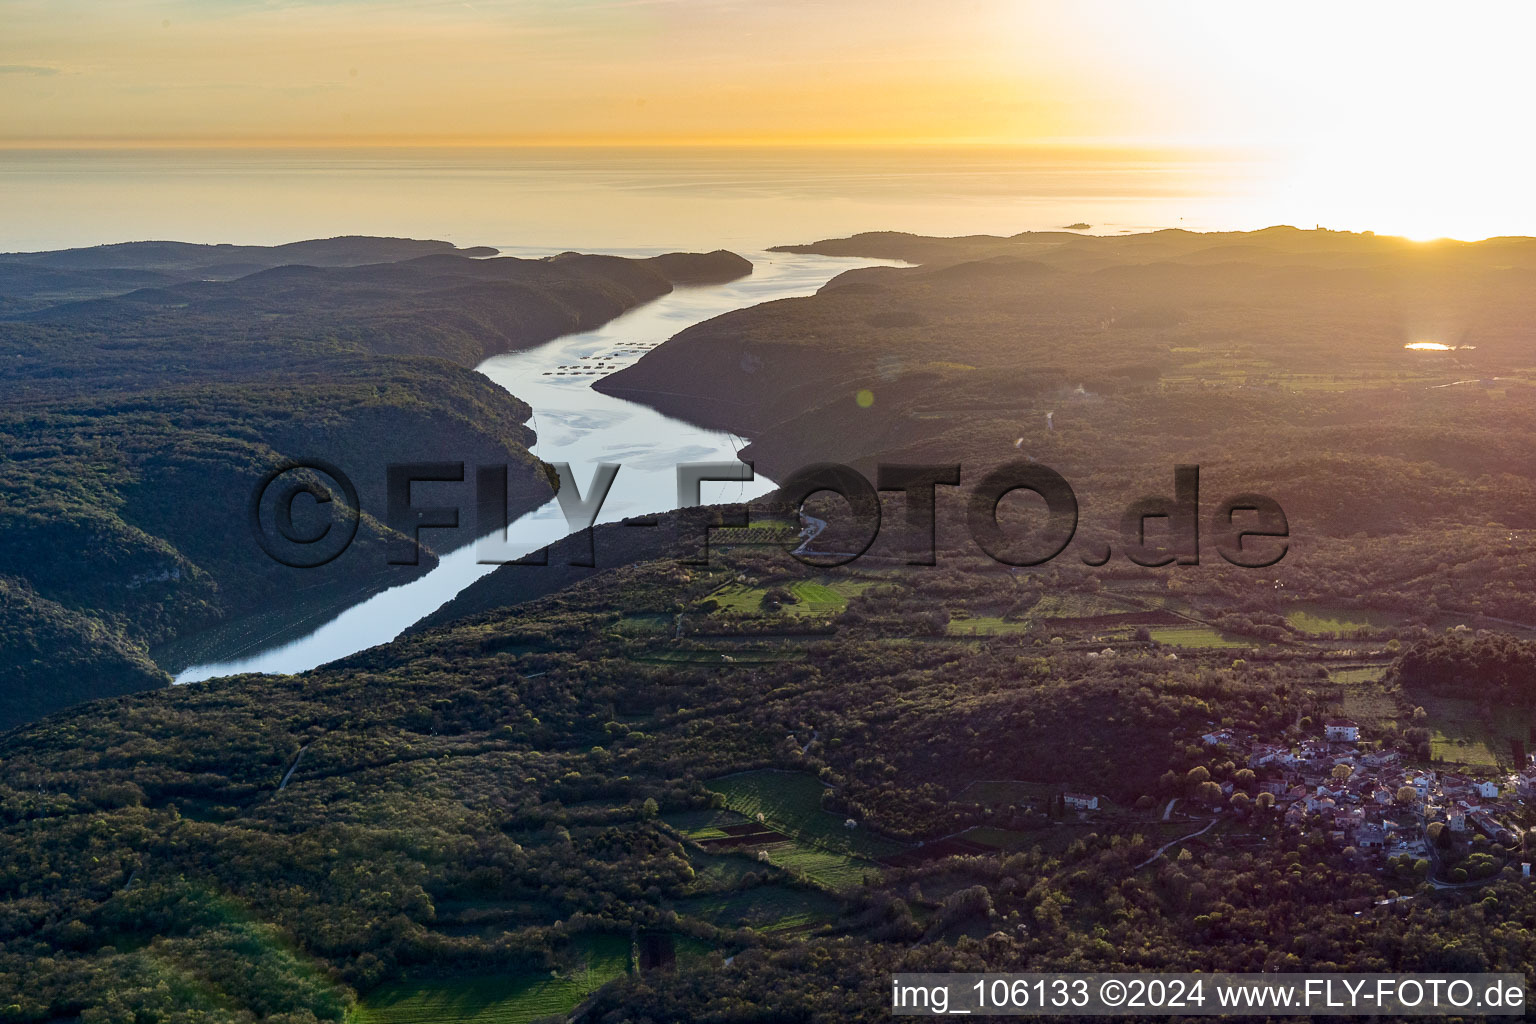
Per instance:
(620,142)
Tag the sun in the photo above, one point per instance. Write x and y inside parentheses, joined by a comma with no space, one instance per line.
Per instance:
(1392,117)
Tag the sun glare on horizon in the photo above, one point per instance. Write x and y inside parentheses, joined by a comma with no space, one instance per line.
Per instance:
(1387,117)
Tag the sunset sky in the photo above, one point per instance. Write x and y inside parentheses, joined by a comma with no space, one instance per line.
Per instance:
(1371,75)
(1406,116)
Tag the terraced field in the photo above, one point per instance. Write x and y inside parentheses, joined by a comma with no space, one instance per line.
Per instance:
(791,802)
(767,908)
(820,846)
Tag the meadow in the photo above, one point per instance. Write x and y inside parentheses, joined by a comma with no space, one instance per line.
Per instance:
(513,998)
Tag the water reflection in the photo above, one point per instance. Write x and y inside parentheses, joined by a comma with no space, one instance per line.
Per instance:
(582,427)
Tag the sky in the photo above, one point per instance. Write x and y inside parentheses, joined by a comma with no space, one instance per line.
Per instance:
(1406,114)
(723,71)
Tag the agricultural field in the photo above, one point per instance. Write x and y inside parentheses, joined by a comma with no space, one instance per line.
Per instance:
(826,595)
(791,802)
(820,846)
(1321,618)
(702,824)
(714,872)
(985,625)
(1461,732)
(497,998)
(1198,636)
(646,625)
(766,908)
(1357,674)
(1362,698)
(690,951)
(1080,606)
(828,868)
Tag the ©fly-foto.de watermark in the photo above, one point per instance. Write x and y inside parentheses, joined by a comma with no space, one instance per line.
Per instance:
(1247,530)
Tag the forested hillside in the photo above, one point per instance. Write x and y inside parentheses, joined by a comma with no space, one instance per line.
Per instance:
(469,817)
(136,427)
(1276,360)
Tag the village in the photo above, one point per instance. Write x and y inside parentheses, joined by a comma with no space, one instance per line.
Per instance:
(1376,802)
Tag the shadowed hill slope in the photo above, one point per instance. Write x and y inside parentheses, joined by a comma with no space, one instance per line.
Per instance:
(1276,360)
(137,426)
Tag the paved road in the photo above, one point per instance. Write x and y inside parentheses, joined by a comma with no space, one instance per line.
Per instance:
(1164,848)
(812,530)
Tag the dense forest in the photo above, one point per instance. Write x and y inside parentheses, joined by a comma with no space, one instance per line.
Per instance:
(718,775)
(1274,360)
(493,797)
(135,426)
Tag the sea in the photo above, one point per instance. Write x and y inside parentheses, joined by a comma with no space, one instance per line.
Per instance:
(603,199)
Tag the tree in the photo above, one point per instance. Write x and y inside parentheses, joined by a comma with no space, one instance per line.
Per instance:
(1407,795)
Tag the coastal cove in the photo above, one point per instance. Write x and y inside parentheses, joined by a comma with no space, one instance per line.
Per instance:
(574,424)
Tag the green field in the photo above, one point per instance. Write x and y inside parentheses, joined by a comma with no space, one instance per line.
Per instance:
(646,625)
(497,998)
(1362,698)
(1198,636)
(690,951)
(824,867)
(768,908)
(821,596)
(713,872)
(985,625)
(1460,733)
(1322,618)
(1357,674)
(791,802)
(1078,606)
(701,824)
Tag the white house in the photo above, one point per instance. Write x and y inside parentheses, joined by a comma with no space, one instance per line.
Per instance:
(1341,730)
(1486,789)
(1081,801)
(1269,753)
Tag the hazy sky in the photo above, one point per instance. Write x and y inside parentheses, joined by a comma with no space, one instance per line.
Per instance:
(1371,75)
